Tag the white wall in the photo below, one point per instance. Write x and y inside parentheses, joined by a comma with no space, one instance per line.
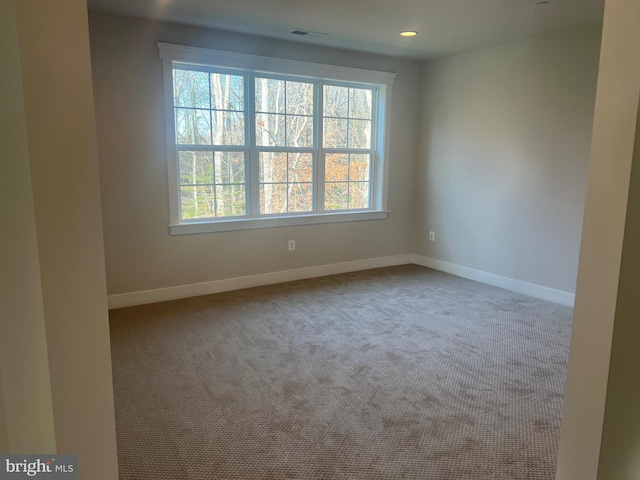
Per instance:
(25,390)
(505,137)
(62,156)
(602,380)
(620,453)
(140,254)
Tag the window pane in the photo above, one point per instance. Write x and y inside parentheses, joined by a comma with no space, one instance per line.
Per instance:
(359,167)
(193,127)
(229,167)
(273,167)
(335,133)
(270,95)
(273,198)
(230,200)
(359,195)
(300,167)
(270,130)
(336,167)
(228,128)
(197,202)
(191,89)
(196,168)
(210,114)
(360,103)
(285,182)
(336,196)
(299,131)
(359,134)
(227,92)
(300,197)
(336,101)
(299,98)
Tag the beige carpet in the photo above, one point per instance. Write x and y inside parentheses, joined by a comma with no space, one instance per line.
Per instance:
(394,373)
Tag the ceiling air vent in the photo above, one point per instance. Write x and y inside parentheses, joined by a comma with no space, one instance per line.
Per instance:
(309,34)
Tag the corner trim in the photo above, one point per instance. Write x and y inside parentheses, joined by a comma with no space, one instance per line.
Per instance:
(537,291)
(237,283)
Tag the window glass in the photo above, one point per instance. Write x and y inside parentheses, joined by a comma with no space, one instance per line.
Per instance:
(347,181)
(286,182)
(347,116)
(253,144)
(284,113)
(212,184)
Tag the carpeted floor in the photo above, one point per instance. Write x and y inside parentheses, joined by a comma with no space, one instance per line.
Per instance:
(394,373)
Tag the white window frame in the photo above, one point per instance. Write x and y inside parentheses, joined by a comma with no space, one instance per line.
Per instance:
(174,55)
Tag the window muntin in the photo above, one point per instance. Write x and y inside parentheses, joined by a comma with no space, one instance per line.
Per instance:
(218,101)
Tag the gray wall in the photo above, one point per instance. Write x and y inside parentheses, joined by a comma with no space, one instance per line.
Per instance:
(140,254)
(505,139)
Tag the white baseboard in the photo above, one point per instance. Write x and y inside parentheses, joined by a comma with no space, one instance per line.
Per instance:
(218,286)
(518,286)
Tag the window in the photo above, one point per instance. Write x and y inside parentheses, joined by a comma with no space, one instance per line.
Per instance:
(258,142)
(210,139)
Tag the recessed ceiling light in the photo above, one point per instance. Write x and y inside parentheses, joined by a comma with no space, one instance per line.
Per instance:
(409,33)
(543,3)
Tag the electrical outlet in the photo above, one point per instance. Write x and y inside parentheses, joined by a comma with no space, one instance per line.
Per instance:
(432,236)
(292,245)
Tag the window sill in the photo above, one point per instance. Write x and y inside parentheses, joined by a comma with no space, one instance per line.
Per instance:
(270,222)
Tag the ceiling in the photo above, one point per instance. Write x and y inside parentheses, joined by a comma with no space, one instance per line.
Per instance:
(445,26)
